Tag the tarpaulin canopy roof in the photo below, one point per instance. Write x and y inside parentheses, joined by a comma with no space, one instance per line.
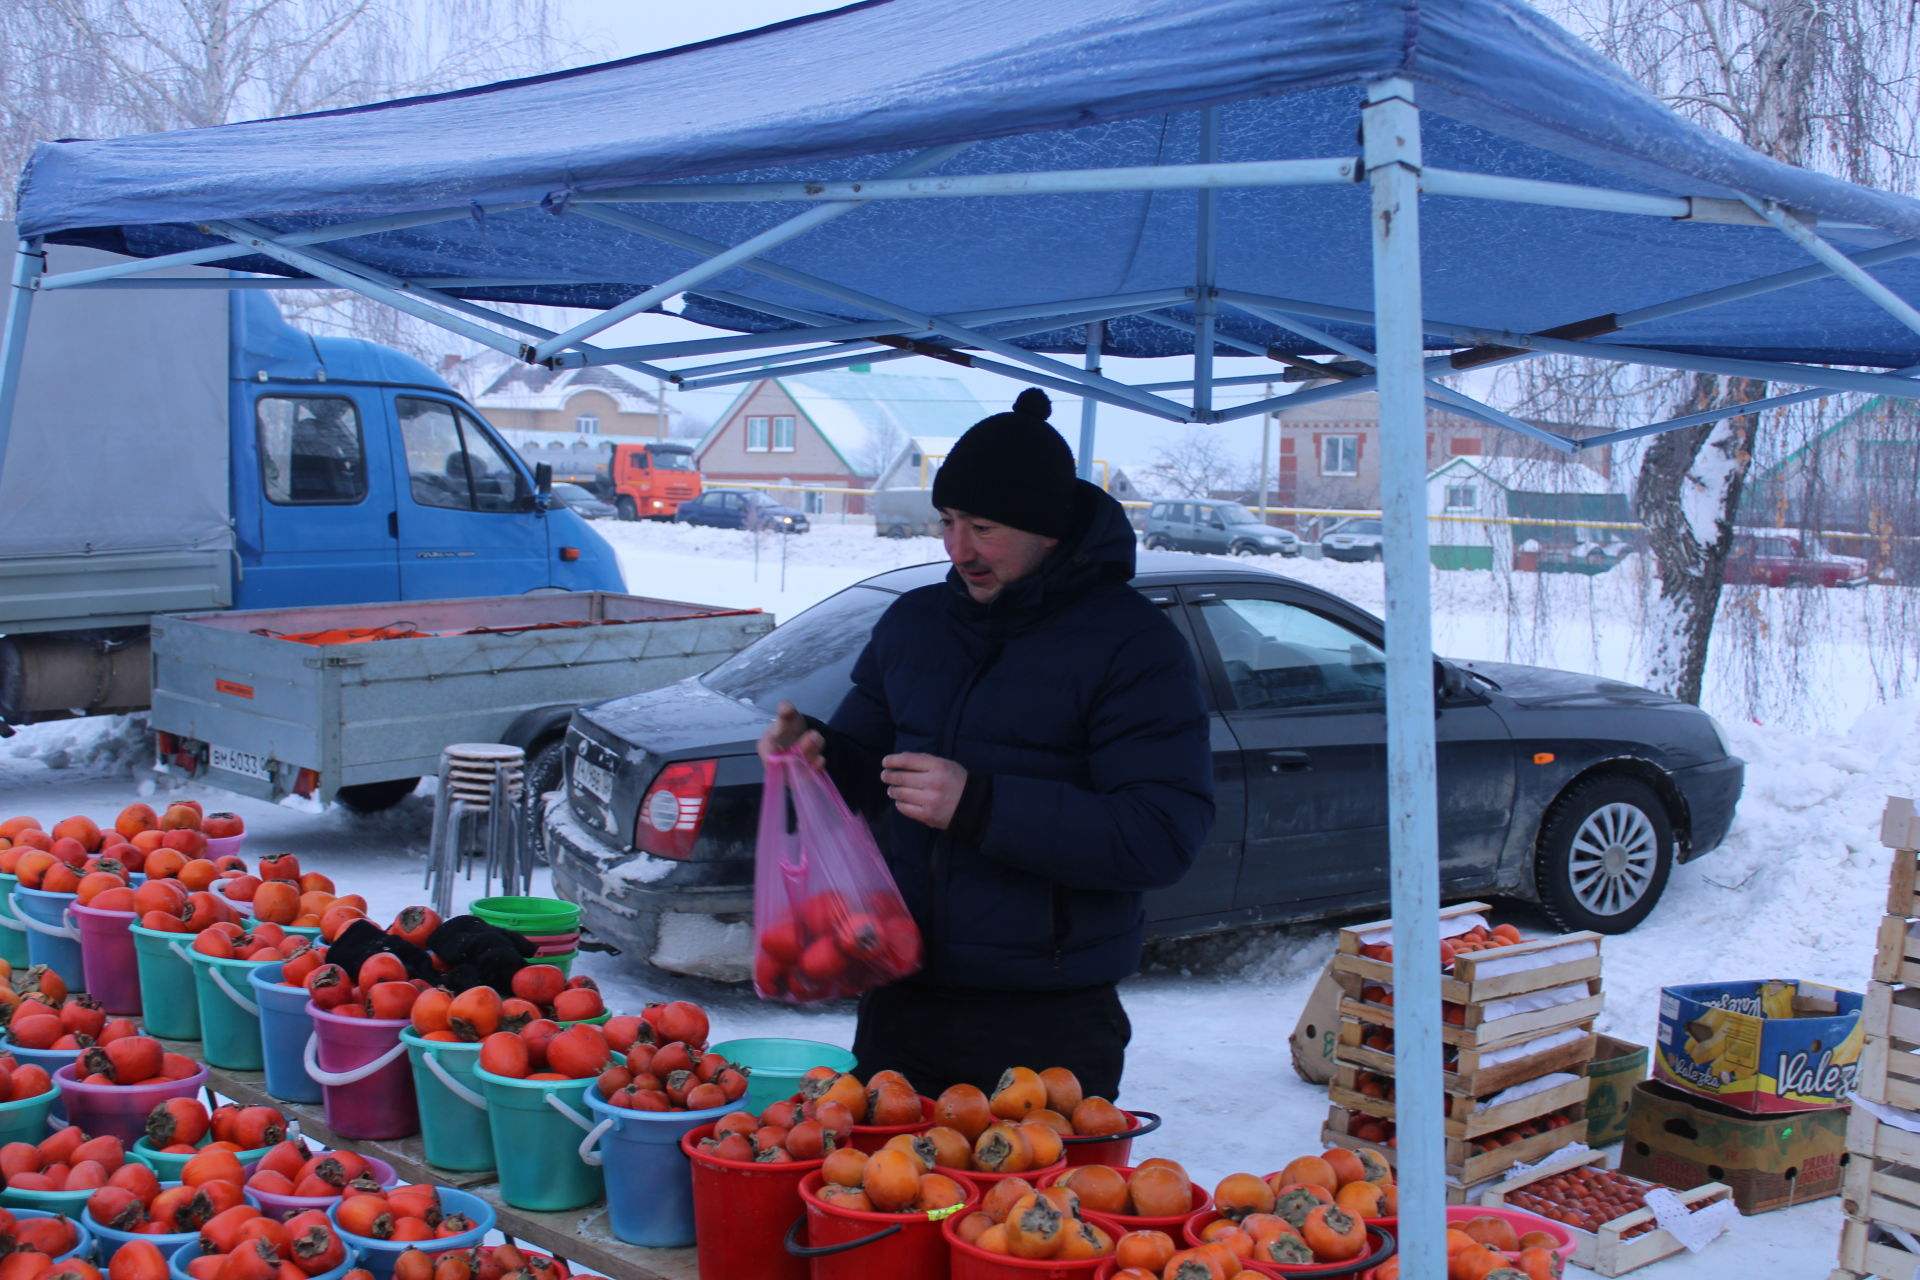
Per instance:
(1073,84)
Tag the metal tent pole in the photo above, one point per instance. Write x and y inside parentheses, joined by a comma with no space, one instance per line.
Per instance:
(29,262)
(1390,126)
(1089,407)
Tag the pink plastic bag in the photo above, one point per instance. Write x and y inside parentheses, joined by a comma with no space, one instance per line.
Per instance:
(828,920)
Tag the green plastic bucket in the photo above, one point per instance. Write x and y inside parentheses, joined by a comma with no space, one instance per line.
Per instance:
(229,1017)
(527,915)
(168,1006)
(453,1112)
(542,1122)
(563,962)
(775,1064)
(13,934)
(25,1120)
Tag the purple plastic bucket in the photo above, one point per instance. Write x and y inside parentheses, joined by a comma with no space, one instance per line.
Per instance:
(107,954)
(120,1109)
(365,1079)
(280,1208)
(221,846)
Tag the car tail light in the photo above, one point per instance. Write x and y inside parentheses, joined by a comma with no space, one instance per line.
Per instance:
(672,809)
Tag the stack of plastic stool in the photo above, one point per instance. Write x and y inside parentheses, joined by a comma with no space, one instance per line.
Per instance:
(477,819)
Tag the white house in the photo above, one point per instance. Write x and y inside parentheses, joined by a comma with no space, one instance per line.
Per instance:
(1477,506)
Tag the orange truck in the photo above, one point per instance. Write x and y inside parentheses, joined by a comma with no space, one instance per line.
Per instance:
(643,479)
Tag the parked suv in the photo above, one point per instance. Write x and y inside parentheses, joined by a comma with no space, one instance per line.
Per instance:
(1353,540)
(1778,558)
(1222,528)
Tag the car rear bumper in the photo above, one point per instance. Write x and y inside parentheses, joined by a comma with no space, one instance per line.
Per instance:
(1712,792)
(1348,553)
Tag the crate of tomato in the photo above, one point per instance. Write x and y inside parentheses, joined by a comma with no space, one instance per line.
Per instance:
(1613,1229)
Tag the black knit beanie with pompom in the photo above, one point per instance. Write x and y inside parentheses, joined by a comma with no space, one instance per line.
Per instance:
(1012,468)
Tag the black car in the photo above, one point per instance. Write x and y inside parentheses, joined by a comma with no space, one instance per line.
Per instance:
(582,502)
(1572,790)
(741,509)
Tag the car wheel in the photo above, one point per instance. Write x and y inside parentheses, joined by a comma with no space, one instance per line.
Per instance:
(546,771)
(1156,542)
(376,797)
(1245,549)
(627,510)
(1797,583)
(1604,854)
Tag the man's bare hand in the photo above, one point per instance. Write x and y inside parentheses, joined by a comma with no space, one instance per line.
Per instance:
(923,787)
(789,732)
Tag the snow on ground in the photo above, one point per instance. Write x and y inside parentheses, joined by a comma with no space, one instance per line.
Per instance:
(1796,891)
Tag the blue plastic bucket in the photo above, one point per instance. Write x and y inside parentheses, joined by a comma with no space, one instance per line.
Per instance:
(82,1247)
(649,1178)
(378,1256)
(775,1064)
(107,1241)
(51,938)
(177,1261)
(284,1028)
(13,934)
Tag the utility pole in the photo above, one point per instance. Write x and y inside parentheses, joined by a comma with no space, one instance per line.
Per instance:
(1266,451)
(660,408)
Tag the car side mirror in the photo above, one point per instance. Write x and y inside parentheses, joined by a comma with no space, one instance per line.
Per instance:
(542,486)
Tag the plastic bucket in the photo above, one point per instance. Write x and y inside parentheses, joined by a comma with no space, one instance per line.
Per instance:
(67,1204)
(107,1241)
(177,1262)
(541,1122)
(563,962)
(378,1256)
(284,1030)
(82,1247)
(52,1060)
(167,1165)
(970,1262)
(51,939)
(13,934)
(119,1109)
(1169,1223)
(283,1207)
(741,1212)
(362,1069)
(453,1114)
(168,1005)
(1380,1247)
(229,1018)
(106,952)
(527,915)
(856,1244)
(221,846)
(871,1137)
(648,1180)
(1114,1149)
(25,1119)
(774,1066)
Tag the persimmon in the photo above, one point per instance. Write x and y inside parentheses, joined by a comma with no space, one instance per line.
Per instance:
(845,1167)
(275,901)
(970,1227)
(1296,1200)
(1538,1263)
(1043,1141)
(1099,1117)
(891,1180)
(475,1013)
(1373,1165)
(1035,1227)
(965,1109)
(1474,1262)
(1241,1194)
(1003,1195)
(844,1197)
(1493,1231)
(993,1240)
(1101,1189)
(892,1104)
(1147,1250)
(937,1191)
(1159,1192)
(1019,1091)
(1313,1171)
(1003,1148)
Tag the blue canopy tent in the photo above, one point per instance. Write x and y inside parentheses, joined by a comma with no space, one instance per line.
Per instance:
(1379,191)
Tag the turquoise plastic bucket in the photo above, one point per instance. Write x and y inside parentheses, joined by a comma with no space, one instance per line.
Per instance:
(229,1018)
(51,938)
(168,1004)
(649,1179)
(166,1165)
(67,1204)
(541,1123)
(284,1028)
(13,934)
(775,1064)
(25,1120)
(453,1111)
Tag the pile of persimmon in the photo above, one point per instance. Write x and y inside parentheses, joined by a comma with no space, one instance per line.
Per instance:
(137,832)
(1022,1124)
(808,1126)
(47,1237)
(569,1053)
(659,1077)
(548,993)
(291,1170)
(408,1212)
(1156,1188)
(885,1100)
(1478,938)
(132,1060)
(64,1161)
(1153,1255)
(382,988)
(1486,1248)
(890,1180)
(827,946)
(18,1083)
(180,1126)
(267,943)
(242,1243)
(482,1262)
(1585,1197)
(279,893)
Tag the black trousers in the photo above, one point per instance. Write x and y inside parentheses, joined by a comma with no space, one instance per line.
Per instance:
(941,1036)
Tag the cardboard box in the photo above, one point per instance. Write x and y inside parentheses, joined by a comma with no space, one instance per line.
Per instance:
(1617,1066)
(1760,1047)
(1770,1161)
(1317,1031)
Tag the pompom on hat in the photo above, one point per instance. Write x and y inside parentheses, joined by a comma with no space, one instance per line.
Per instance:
(1012,468)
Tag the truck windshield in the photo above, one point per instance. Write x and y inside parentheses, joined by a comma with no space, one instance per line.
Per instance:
(808,660)
(673,461)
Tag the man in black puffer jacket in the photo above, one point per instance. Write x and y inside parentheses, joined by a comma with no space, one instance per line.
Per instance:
(1037,726)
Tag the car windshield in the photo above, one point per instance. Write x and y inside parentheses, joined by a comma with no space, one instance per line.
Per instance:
(1234,513)
(755,498)
(1359,526)
(808,660)
(571,493)
(673,461)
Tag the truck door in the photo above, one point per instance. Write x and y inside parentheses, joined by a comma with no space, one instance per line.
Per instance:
(467,521)
(313,500)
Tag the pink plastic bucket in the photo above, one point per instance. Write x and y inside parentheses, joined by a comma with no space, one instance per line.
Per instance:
(107,954)
(280,1208)
(120,1109)
(365,1079)
(221,846)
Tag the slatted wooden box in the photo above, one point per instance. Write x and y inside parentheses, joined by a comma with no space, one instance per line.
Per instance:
(1614,1249)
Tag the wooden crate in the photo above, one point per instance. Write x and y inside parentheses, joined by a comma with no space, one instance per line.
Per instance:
(1609,1251)
(1464,1165)
(1470,1075)
(1889,1067)
(1896,951)
(1900,831)
(1478,1028)
(1865,1253)
(1465,1118)
(1469,982)
(1882,1179)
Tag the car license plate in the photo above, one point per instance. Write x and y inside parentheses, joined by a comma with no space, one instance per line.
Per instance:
(244,763)
(592,779)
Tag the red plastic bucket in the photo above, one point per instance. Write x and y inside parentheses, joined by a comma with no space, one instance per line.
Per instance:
(1380,1247)
(1114,1149)
(107,954)
(365,1079)
(1171,1224)
(119,1109)
(741,1212)
(971,1262)
(871,1137)
(855,1244)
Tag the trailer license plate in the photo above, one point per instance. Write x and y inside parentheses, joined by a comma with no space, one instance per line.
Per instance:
(592,779)
(244,763)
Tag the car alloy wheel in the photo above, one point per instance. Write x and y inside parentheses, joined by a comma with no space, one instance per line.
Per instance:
(1604,855)
(1245,549)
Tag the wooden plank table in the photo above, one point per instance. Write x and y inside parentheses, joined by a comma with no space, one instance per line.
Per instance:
(581,1236)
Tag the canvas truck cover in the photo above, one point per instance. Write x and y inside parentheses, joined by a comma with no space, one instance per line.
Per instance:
(115,472)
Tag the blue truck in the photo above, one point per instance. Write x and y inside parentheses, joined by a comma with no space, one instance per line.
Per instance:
(180,448)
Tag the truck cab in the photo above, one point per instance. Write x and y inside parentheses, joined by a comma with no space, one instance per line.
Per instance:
(651,480)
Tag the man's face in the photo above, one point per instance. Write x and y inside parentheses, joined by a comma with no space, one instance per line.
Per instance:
(989,555)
